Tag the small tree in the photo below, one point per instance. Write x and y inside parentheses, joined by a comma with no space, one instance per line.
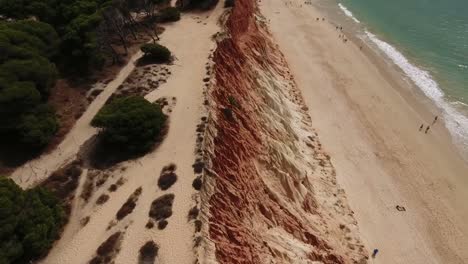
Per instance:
(156,52)
(37,128)
(30,222)
(130,123)
(228,3)
(169,14)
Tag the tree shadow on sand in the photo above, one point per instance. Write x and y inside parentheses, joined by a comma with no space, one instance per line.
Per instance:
(98,154)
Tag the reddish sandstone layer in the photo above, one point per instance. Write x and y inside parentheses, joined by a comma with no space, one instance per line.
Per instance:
(266,164)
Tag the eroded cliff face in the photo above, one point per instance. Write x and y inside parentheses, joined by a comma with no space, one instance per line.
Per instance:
(270,193)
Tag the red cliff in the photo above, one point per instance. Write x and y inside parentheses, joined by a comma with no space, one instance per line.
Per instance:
(273,196)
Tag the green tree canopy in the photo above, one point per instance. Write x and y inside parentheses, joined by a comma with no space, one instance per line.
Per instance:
(29,222)
(37,128)
(131,123)
(26,76)
(156,52)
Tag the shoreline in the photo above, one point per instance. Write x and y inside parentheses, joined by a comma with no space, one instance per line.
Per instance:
(425,86)
(368,117)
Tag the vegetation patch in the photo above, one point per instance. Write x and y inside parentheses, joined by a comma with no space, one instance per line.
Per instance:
(161,208)
(162,224)
(148,253)
(154,52)
(169,14)
(193,213)
(229,3)
(150,224)
(129,205)
(103,198)
(167,177)
(31,221)
(197,183)
(88,186)
(26,77)
(197,4)
(113,187)
(130,124)
(198,225)
(198,166)
(108,249)
(84,221)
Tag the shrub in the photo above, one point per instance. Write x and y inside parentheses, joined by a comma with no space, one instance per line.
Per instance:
(161,208)
(130,123)
(162,224)
(197,183)
(229,3)
(169,14)
(36,129)
(200,4)
(193,213)
(150,224)
(148,252)
(102,199)
(129,205)
(30,222)
(167,177)
(109,246)
(156,52)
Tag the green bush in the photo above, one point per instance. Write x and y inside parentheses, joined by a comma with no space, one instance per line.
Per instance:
(26,76)
(130,123)
(228,3)
(169,14)
(37,128)
(30,222)
(200,4)
(156,52)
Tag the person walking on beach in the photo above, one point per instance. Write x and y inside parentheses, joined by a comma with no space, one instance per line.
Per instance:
(435,119)
(374,253)
(427,129)
(421,127)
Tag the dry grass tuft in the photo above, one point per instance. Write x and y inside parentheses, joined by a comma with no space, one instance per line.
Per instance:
(129,205)
(102,199)
(150,224)
(108,249)
(198,225)
(193,213)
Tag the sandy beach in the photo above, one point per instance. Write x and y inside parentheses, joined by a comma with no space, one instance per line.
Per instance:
(368,117)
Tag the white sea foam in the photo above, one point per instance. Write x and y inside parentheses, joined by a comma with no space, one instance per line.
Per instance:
(456,122)
(348,13)
(463,66)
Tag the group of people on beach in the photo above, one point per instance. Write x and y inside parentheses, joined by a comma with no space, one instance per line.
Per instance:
(428,126)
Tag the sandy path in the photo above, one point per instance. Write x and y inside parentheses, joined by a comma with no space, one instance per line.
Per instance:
(191,43)
(38,169)
(368,121)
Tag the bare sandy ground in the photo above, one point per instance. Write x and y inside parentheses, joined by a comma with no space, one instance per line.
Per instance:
(190,41)
(368,119)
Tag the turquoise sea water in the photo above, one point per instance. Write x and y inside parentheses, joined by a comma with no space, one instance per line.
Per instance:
(428,41)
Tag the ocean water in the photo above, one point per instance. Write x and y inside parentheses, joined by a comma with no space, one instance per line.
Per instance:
(428,41)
